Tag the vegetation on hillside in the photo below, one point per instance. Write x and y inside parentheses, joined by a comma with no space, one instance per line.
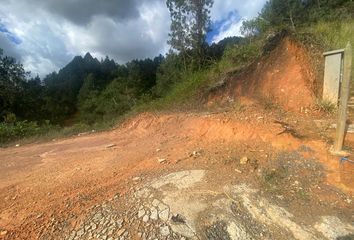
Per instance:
(92,94)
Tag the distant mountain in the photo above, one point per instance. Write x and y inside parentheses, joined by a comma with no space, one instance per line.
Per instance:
(64,86)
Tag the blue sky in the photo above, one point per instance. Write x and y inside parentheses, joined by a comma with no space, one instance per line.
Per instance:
(46,34)
(221,25)
(11,37)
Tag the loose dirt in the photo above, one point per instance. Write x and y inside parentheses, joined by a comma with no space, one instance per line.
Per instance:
(287,187)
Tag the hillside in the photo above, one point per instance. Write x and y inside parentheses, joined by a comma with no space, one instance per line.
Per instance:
(213,140)
(244,169)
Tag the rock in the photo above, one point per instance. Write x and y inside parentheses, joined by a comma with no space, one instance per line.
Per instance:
(17,145)
(158,150)
(80,232)
(120,223)
(155,202)
(164,215)
(141,213)
(165,231)
(238,171)
(93,226)
(136,179)
(111,145)
(162,207)
(3,233)
(146,218)
(194,154)
(154,214)
(121,232)
(244,160)
(162,160)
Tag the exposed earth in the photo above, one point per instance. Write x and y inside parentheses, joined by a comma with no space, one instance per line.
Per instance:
(179,176)
(246,168)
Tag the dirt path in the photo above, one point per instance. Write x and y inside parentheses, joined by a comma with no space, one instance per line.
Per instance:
(118,184)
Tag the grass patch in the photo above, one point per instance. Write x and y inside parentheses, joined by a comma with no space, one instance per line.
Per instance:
(326,106)
(25,132)
(329,36)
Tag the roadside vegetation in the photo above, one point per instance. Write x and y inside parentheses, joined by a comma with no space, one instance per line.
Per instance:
(90,94)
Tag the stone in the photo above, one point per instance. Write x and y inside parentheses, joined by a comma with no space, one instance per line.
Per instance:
(141,213)
(165,231)
(121,232)
(111,145)
(162,160)
(146,218)
(93,226)
(244,160)
(164,215)
(162,207)
(154,213)
(3,233)
(80,232)
(136,179)
(120,222)
(155,202)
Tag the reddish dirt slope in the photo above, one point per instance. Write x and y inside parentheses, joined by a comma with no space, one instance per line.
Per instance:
(284,77)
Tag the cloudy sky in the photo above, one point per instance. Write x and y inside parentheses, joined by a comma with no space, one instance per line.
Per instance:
(46,34)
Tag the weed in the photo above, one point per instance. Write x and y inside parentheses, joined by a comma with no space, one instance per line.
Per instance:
(303,195)
(326,106)
(276,175)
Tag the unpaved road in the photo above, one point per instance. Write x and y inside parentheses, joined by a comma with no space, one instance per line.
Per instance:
(176,176)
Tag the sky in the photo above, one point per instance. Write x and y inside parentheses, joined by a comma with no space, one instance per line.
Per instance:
(45,35)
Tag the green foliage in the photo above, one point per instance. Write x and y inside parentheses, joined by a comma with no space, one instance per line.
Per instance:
(12,75)
(10,118)
(334,35)
(190,21)
(168,74)
(330,35)
(292,14)
(326,106)
(13,131)
(241,55)
(182,95)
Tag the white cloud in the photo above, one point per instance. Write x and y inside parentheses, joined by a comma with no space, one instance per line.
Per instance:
(232,25)
(52,32)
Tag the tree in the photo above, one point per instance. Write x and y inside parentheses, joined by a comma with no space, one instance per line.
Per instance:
(12,75)
(200,10)
(190,20)
(168,73)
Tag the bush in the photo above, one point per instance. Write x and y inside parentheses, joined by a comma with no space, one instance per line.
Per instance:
(240,55)
(13,131)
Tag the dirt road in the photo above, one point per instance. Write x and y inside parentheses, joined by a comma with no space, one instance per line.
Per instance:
(177,176)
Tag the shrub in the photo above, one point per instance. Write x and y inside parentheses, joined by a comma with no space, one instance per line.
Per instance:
(17,130)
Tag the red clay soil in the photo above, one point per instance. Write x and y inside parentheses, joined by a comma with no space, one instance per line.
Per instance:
(284,77)
(62,179)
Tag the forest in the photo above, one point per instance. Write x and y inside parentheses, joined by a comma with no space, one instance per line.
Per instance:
(88,91)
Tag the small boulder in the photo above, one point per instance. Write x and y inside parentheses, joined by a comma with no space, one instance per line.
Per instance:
(244,160)
(162,160)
